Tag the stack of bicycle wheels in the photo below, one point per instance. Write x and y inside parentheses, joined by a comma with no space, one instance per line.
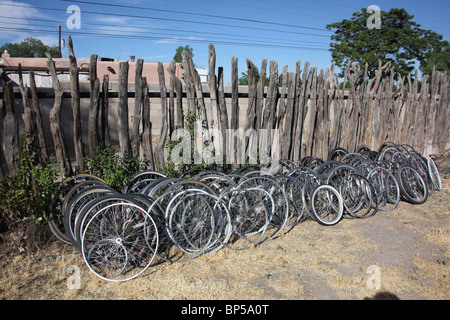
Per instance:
(157,219)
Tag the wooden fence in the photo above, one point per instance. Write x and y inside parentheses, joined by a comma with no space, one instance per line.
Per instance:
(312,111)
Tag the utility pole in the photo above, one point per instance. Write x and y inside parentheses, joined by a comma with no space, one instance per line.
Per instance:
(59,42)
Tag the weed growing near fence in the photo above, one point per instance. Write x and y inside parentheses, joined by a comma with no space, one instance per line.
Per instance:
(113,169)
(26,194)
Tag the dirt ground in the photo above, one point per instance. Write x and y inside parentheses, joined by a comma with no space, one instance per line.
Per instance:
(404,252)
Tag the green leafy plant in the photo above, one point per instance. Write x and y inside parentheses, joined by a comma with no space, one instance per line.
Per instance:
(27,194)
(113,169)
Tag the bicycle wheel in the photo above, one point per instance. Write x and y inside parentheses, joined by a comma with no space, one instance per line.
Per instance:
(336,154)
(359,196)
(327,206)
(116,242)
(412,186)
(269,183)
(293,188)
(141,179)
(386,187)
(420,164)
(76,204)
(55,217)
(434,174)
(249,210)
(195,222)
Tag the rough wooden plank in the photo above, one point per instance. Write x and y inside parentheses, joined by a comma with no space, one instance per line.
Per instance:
(171,101)
(28,116)
(296,110)
(249,129)
(223,113)
(76,106)
(42,152)
(160,156)
(178,87)
(93,106)
(189,86)
(286,130)
(138,101)
(55,122)
(308,125)
(10,128)
(122,111)
(234,110)
(146,138)
(302,106)
(105,111)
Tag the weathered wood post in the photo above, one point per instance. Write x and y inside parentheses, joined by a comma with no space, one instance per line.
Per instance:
(234,111)
(10,127)
(94,106)
(136,119)
(178,87)
(105,106)
(223,119)
(28,116)
(146,139)
(55,122)
(160,147)
(43,155)
(75,102)
(122,112)
(251,139)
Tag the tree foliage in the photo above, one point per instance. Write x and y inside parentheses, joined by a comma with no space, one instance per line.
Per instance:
(178,57)
(439,59)
(243,80)
(30,48)
(399,40)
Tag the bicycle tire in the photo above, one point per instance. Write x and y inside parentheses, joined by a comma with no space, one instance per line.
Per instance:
(412,186)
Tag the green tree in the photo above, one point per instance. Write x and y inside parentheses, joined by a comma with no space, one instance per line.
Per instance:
(440,59)
(399,40)
(30,48)
(178,57)
(243,80)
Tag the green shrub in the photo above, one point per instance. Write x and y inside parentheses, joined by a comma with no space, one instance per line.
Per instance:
(27,193)
(113,169)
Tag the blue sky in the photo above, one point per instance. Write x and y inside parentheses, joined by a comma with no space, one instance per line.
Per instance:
(284,31)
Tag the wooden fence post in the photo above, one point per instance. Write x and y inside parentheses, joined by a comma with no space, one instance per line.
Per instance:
(215,115)
(75,102)
(310,114)
(250,137)
(136,119)
(302,106)
(94,106)
(28,116)
(43,155)
(172,86)
(105,112)
(122,112)
(160,147)
(179,96)
(271,103)
(55,121)
(286,130)
(10,127)
(234,111)
(146,139)
(223,118)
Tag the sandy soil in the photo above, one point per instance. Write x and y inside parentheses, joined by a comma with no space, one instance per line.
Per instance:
(404,252)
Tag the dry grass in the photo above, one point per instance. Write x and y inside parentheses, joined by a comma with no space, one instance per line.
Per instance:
(410,246)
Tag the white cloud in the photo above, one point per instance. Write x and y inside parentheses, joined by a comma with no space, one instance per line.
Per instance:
(14,16)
